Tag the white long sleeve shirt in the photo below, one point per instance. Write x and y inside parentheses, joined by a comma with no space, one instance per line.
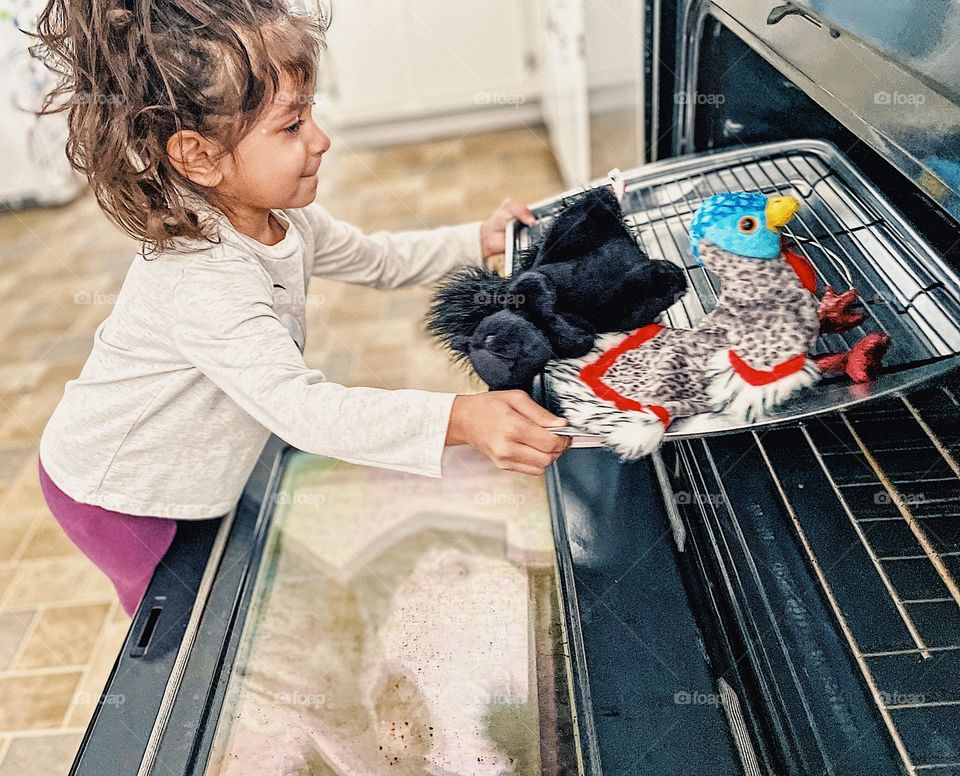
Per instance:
(201,358)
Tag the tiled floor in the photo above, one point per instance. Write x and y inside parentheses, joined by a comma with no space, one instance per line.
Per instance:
(60,626)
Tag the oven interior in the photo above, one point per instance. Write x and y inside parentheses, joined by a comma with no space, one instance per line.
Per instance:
(760,104)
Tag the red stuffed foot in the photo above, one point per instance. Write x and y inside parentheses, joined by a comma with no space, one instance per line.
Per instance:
(866,357)
(835,313)
(832,363)
(861,361)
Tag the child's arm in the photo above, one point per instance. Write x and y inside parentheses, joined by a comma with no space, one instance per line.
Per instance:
(393,259)
(389,259)
(225,326)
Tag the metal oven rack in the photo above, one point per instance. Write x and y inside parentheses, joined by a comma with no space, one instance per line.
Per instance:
(818,551)
(851,235)
(876,519)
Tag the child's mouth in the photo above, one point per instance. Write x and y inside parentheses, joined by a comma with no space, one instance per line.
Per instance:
(314,173)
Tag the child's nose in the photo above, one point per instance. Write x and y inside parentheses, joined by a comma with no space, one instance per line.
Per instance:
(322,142)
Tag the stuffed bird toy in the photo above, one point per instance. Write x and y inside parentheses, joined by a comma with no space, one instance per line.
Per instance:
(748,354)
(587,275)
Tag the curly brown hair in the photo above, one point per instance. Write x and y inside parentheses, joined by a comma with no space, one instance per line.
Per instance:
(132,73)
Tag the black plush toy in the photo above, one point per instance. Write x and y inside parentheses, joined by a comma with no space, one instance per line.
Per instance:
(587,276)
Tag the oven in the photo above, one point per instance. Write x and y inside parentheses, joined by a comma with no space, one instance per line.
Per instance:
(782,598)
(779,598)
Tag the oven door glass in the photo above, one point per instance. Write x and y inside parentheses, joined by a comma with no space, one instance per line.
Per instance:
(402,625)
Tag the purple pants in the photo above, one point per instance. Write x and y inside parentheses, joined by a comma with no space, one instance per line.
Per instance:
(127,548)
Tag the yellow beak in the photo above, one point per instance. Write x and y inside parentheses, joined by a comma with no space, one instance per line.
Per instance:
(779,211)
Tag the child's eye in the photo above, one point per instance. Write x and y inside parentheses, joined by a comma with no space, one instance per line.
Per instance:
(295,127)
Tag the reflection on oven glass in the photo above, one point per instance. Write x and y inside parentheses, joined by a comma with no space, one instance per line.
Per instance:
(403,625)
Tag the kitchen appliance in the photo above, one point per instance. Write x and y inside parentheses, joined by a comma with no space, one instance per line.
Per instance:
(774,599)
(817,551)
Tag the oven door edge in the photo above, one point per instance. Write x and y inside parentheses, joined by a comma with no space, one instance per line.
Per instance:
(184,636)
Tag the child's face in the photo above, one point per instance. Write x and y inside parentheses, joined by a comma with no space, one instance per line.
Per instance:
(275,165)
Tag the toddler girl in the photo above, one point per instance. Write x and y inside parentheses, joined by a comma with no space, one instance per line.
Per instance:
(192,121)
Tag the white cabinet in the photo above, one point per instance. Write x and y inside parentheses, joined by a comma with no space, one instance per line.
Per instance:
(388,61)
(614,33)
(364,69)
(565,108)
(593,85)
(398,71)
(467,53)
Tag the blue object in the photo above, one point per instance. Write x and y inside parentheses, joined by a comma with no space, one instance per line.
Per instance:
(720,220)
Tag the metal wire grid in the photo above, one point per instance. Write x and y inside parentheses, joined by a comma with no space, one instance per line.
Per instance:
(907,291)
(850,244)
(927,552)
(921,438)
(845,238)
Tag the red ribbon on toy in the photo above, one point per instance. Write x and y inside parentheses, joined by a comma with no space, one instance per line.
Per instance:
(592,374)
(801,265)
(766,376)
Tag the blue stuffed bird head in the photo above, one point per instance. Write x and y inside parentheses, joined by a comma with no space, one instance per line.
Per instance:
(747,224)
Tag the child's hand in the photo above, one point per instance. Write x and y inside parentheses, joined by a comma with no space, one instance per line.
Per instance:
(493,237)
(509,428)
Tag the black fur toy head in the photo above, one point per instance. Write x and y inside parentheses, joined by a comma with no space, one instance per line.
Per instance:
(587,275)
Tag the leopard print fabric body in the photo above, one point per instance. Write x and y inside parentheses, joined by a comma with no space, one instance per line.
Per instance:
(764,314)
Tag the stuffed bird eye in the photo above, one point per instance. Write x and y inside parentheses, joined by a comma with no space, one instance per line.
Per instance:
(748,224)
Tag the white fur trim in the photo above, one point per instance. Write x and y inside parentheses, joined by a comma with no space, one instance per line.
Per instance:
(631,433)
(731,394)
(636,434)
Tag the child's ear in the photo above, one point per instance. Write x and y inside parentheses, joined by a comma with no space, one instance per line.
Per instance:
(195,157)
